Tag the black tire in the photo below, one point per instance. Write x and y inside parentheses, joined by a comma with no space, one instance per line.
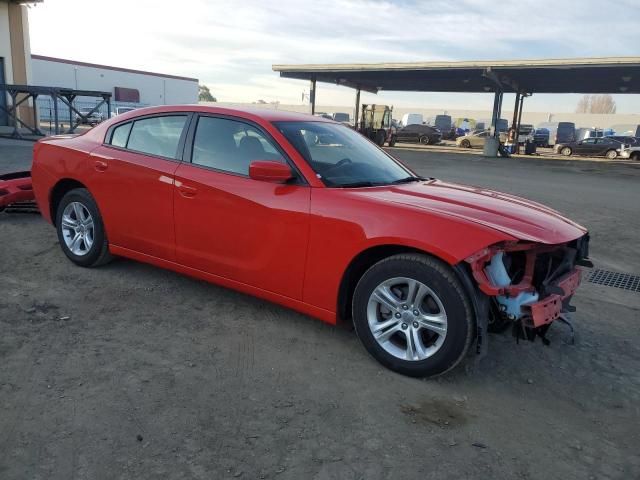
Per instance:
(566,151)
(393,141)
(465,144)
(98,254)
(635,156)
(380,138)
(424,140)
(441,279)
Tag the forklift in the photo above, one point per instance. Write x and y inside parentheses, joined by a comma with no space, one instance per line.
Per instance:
(376,124)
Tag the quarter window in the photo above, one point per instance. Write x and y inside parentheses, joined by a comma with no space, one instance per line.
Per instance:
(158,136)
(121,135)
(230,145)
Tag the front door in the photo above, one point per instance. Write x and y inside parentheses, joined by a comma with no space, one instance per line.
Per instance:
(230,225)
(586,146)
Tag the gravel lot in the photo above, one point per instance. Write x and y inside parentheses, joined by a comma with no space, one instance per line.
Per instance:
(129,371)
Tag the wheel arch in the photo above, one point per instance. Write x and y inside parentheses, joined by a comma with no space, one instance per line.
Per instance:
(360,264)
(58,191)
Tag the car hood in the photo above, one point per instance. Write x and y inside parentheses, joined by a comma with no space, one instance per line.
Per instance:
(515,216)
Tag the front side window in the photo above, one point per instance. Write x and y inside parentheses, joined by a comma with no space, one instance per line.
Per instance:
(342,157)
(230,145)
(158,136)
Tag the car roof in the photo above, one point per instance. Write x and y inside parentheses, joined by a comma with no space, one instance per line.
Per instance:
(255,113)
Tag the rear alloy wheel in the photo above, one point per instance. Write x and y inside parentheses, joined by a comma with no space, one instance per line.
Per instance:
(566,151)
(465,144)
(611,154)
(80,229)
(424,140)
(412,315)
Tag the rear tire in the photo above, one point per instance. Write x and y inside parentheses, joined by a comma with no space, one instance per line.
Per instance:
(393,141)
(424,140)
(566,151)
(380,138)
(465,144)
(80,229)
(611,154)
(425,327)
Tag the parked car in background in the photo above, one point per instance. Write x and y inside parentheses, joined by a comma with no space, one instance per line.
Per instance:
(541,137)
(307,213)
(411,119)
(632,152)
(423,134)
(631,141)
(88,118)
(477,139)
(341,117)
(120,110)
(591,147)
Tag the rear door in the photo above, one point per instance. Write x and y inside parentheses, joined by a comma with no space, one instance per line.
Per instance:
(230,225)
(132,182)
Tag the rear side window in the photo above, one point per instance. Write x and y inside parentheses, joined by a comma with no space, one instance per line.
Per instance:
(121,135)
(158,136)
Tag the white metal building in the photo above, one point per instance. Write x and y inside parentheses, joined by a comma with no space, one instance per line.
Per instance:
(126,85)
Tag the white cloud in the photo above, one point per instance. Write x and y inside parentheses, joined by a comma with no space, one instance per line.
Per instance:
(231,46)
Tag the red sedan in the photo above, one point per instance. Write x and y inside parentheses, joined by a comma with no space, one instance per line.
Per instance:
(305,212)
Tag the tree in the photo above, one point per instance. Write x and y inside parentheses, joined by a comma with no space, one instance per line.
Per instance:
(596,104)
(204,94)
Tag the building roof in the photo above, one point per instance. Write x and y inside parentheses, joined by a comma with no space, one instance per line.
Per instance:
(107,67)
(572,75)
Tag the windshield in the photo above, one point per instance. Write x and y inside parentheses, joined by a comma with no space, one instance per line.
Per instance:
(342,157)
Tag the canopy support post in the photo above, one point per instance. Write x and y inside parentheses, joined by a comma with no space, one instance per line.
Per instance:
(312,96)
(357,116)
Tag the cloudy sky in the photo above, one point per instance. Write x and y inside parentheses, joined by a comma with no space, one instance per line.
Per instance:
(230,45)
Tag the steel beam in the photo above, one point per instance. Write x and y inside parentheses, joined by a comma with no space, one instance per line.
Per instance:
(357,117)
(312,96)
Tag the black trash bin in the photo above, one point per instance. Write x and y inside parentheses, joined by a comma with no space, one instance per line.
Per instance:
(529,148)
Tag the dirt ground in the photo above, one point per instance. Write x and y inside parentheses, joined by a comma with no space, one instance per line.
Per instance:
(129,371)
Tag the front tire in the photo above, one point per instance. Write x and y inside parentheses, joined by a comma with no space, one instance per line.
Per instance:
(424,140)
(80,229)
(465,144)
(566,151)
(611,154)
(412,314)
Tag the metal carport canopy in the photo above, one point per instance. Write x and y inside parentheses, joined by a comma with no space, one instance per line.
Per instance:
(572,75)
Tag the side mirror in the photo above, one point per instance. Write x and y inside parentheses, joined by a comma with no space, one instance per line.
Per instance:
(270,171)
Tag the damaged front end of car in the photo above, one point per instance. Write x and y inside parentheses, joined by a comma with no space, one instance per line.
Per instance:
(529,285)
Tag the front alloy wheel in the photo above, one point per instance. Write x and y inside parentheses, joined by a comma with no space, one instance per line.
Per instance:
(413,315)
(407,318)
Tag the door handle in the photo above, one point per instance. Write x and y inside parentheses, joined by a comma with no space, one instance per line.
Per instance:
(186,191)
(100,165)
